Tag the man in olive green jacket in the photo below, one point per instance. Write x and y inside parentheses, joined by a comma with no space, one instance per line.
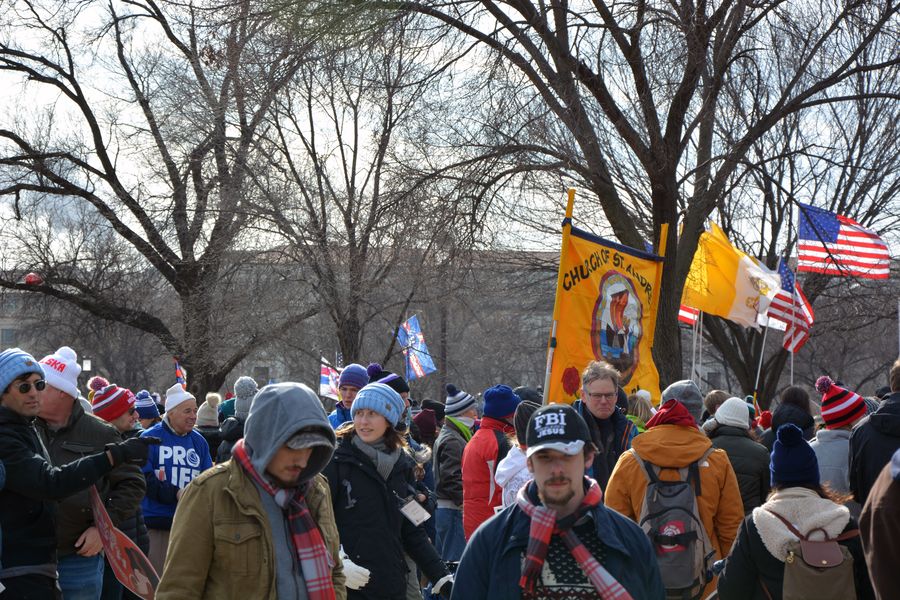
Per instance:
(236,533)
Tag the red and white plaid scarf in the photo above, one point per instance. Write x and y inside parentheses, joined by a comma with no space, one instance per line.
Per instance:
(544,525)
(312,554)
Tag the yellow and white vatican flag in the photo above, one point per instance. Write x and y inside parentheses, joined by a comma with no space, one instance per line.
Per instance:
(726,282)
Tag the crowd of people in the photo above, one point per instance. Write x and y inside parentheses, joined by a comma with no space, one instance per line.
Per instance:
(267,494)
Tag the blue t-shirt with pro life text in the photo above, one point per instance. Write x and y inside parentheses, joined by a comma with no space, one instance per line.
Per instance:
(177,461)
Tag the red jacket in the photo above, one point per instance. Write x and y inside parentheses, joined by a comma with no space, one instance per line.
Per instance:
(479,464)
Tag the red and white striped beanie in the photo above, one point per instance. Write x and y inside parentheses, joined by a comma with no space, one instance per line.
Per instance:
(840,407)
(112,402)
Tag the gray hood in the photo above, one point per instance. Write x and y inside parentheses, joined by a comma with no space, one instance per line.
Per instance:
(278,412)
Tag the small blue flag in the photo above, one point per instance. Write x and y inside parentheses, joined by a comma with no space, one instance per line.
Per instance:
(418,360)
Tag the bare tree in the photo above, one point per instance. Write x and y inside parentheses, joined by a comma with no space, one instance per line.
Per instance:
(150,124)
(347,186)
(654,106)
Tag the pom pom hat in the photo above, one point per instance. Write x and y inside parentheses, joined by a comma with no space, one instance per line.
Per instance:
(840,407)
(112,402)
(458,401)
(392,380)
(793,461)
(145,405)
(13,364)
(382,399)
(61,370)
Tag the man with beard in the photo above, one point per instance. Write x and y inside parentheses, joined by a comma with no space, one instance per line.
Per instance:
(261,525)
(558,540)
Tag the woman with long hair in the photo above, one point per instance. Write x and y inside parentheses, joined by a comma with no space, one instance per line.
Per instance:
(373,490)
(799,503)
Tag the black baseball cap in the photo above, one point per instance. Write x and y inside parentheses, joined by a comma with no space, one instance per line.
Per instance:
(557,427)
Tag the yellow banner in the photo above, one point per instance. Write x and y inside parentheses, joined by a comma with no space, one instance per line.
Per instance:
(606,307)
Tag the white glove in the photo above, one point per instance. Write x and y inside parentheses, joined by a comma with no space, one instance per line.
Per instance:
(357,577)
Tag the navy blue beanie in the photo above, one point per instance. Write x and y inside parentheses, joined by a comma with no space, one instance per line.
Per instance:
(500,401)
(793,461)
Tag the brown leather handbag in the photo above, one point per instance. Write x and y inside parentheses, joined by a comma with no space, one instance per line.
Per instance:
(817,569)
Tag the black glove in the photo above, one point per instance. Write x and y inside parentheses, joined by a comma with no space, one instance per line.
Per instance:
(447,590)
(132,451)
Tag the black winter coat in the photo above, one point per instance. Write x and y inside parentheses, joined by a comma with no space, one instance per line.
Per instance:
(872,443)
(27,502)
(232,430)
(789,413)
(750,562)
(750,461)
(134,527)
(373,531)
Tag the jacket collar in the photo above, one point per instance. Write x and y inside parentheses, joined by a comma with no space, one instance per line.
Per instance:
(603,521)
(242,489)
(492,423)
(730,431)
(11,417)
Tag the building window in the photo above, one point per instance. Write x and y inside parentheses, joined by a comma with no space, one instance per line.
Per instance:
(8,337)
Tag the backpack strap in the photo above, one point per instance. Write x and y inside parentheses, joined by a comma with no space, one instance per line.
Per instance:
(502,445)
(648,468)
(787,524)
(694,471)
(844,536)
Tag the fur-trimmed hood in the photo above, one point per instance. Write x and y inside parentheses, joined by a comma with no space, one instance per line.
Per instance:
(806,511)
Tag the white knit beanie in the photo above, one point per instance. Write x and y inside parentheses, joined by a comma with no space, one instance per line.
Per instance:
(733,412)
(175,395)
(61,370)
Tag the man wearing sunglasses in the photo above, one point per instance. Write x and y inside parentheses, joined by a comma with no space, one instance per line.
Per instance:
(28,507)
(69,433)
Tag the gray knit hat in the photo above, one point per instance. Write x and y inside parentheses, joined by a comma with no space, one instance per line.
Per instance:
(458,401)
(686,392)
(244,390)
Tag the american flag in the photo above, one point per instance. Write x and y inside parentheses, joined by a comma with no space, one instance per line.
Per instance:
(791,306)
(688,315)
(838,245)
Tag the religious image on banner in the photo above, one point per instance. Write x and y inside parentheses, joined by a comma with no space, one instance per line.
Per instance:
(606,307)
(616,325)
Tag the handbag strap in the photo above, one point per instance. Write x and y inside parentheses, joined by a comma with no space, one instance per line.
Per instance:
(844,536)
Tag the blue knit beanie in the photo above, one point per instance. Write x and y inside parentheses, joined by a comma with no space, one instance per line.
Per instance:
(15,363)
(500,401)
(793,459)
(355,375)
(382,399)
(145,406)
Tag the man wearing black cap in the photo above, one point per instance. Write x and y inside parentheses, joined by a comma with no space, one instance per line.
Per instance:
(558,540)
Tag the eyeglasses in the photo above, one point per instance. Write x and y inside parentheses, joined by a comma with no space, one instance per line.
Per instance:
(25,386)
(602,396)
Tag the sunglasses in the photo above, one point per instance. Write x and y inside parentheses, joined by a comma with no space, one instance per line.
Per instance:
(25,386)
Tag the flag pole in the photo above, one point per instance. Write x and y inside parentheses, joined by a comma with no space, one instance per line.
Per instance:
(792,367)
(762,352)
(551,345)
(700,350)
(693,349)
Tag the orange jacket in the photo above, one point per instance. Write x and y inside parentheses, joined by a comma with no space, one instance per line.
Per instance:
(720,505)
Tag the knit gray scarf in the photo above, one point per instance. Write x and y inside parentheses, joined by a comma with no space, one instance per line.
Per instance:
(379,454)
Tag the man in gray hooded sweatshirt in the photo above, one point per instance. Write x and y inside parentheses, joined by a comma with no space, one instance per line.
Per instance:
(261,525)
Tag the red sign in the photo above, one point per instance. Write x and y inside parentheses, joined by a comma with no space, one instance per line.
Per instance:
(131,567)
